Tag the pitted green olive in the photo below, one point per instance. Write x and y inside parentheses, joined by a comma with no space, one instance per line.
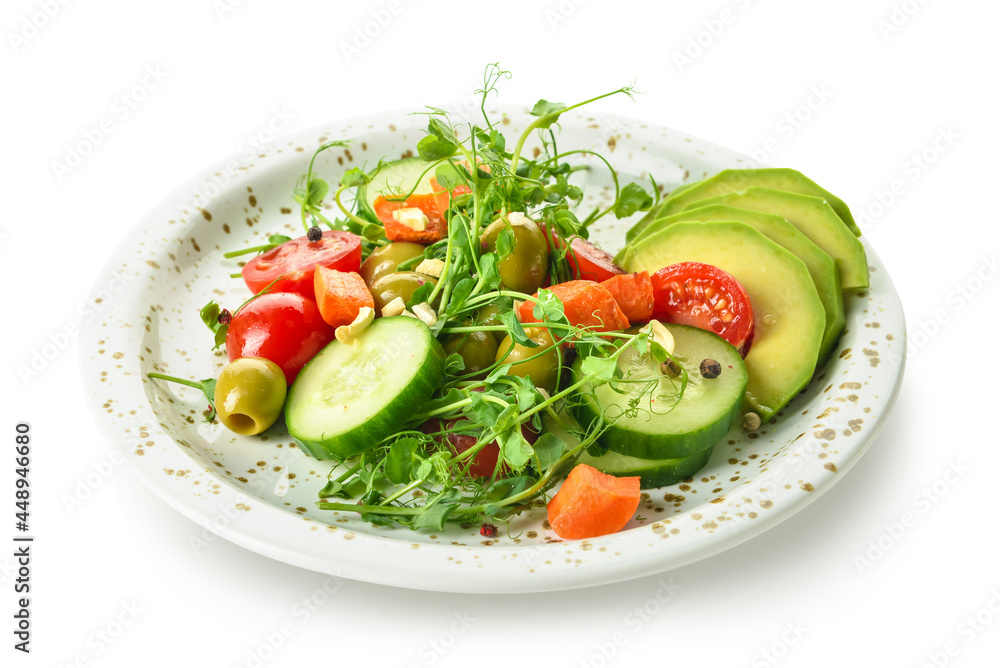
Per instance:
(250,394)
(478,350)
(401,284)
(543,369)
(524,269)
(384,261)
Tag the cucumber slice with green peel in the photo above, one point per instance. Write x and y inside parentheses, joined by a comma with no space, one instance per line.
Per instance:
(350,397)
(789,320)
(395,178)
(821,266)
(648,420)
(652,472)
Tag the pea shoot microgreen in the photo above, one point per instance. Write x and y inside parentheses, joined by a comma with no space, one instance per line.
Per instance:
(417,477)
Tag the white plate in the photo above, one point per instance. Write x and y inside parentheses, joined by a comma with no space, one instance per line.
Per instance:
(260,492)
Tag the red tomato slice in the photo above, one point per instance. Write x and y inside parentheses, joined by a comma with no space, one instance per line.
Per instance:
(295,261)
(284,327)
(588,262)
(593,263)
(704,296)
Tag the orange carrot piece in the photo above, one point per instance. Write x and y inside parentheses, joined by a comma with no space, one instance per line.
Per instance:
(586,304)
(634,294)
(591,503)
(437,226)
(340,295)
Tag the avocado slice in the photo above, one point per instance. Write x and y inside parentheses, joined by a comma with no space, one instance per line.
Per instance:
(788,314)
(821,266)
(815,219)
(731,180)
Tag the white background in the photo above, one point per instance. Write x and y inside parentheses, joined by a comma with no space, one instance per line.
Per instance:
(884,78)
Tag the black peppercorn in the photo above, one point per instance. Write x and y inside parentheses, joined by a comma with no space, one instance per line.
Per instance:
(710,368)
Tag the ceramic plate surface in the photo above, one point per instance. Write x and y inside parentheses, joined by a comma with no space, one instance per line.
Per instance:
(260,492)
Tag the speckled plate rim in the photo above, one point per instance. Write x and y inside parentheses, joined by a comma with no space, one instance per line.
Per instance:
(509,569)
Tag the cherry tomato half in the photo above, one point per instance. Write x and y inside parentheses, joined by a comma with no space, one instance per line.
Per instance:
(295,262)
(704,296)
(284,327)
(593,263)
(485,461)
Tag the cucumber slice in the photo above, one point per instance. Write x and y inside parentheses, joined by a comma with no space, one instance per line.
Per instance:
(651,472)
(703,415)
(350,397)
(395,178)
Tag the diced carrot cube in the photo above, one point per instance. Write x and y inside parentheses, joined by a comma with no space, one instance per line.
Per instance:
(591,503)
(340,295)
(634,294)
(435,229)
(586,304)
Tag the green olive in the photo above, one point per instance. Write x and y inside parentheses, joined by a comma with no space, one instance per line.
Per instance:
(489,316)
(385,260)
(478,349)
(543,369)
(250,394)
(401,284)
(525,268)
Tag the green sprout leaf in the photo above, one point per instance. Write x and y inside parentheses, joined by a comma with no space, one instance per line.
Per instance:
(401,459)
(210,315)
(317,190)
(420,295)
(355,177)
(515,449)
(544,108)
(549,448)
(432,147)
(602,367)
(449,176)
(515,329)
(489,271)
(549,308)
(505,242)
(632,198)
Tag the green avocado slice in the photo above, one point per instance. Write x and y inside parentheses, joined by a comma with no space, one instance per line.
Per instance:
(821,266)
(788,314)
(732,180)
(815,219)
